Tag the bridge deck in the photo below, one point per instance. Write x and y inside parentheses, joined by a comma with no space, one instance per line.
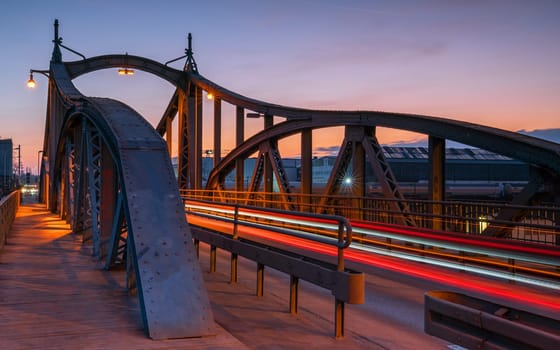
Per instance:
(53,296)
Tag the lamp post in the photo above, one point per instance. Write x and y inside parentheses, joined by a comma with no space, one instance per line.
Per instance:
(31,82)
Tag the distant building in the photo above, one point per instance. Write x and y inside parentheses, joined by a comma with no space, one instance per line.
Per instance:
(6,166)
(469,172)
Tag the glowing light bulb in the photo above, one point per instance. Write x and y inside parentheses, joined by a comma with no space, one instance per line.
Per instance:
(125,71)
(31,83)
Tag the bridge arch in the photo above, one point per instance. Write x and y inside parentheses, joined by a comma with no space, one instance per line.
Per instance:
(96,147)
(543,156)
(173,76)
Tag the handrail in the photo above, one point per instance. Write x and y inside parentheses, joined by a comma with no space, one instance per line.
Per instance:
(520,259)
(346,285)
(235,213)
(9,206)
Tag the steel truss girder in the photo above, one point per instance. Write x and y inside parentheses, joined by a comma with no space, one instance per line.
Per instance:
(386,179)
(184,136)
(533,151)
(80,222)
(525,148)
(86,186)
(257,177)
(118,244)
(269,151)
(541,183)
(67,186)
(337,173)
(94,180)
(73,171)
(160,255)
(280,173)
(357,137)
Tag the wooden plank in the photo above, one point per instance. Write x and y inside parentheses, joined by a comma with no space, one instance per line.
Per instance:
(54,296)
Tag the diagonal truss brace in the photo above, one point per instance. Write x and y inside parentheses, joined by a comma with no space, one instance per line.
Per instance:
(93,161)
(269,151)
(117,254)
(357,137)
(386,179)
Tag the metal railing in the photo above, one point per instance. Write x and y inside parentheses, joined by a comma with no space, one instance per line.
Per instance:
(9,206)
(541,224)
(475,323)
(326,230)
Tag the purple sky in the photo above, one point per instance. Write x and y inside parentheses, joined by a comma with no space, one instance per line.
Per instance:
(493,62)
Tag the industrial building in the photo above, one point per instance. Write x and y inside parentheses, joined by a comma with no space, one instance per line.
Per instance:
(470,172)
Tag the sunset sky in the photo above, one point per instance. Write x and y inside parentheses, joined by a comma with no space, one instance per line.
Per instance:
(493,62)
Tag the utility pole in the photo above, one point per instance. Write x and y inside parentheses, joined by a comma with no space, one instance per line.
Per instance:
(18,148)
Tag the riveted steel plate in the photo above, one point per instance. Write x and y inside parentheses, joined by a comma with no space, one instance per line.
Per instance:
(171,289)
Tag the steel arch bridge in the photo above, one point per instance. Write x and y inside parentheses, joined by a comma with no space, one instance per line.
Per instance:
(99,156)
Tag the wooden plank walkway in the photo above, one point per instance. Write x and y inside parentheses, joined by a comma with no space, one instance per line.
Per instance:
(54,296)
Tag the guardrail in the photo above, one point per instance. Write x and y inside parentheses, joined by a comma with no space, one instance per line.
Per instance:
(9,206)
(479,324)
(347,286)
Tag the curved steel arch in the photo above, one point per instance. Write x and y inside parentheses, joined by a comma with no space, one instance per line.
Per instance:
(529,149)
(78,68)
(102,154)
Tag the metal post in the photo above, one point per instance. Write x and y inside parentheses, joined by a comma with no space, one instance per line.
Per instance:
(217,130)
(436,181)
(183,142)
(239,138)
(358,181)
(197,247)
(192,131)
(108,200)
(268,172)
(233,263)
(233,272)
(260,279)
(338,318)
(169,134)
(198,140)
(212,258)
(294,282)
(340,266)
(306,168)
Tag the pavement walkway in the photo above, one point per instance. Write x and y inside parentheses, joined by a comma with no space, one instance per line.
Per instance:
(54,296)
